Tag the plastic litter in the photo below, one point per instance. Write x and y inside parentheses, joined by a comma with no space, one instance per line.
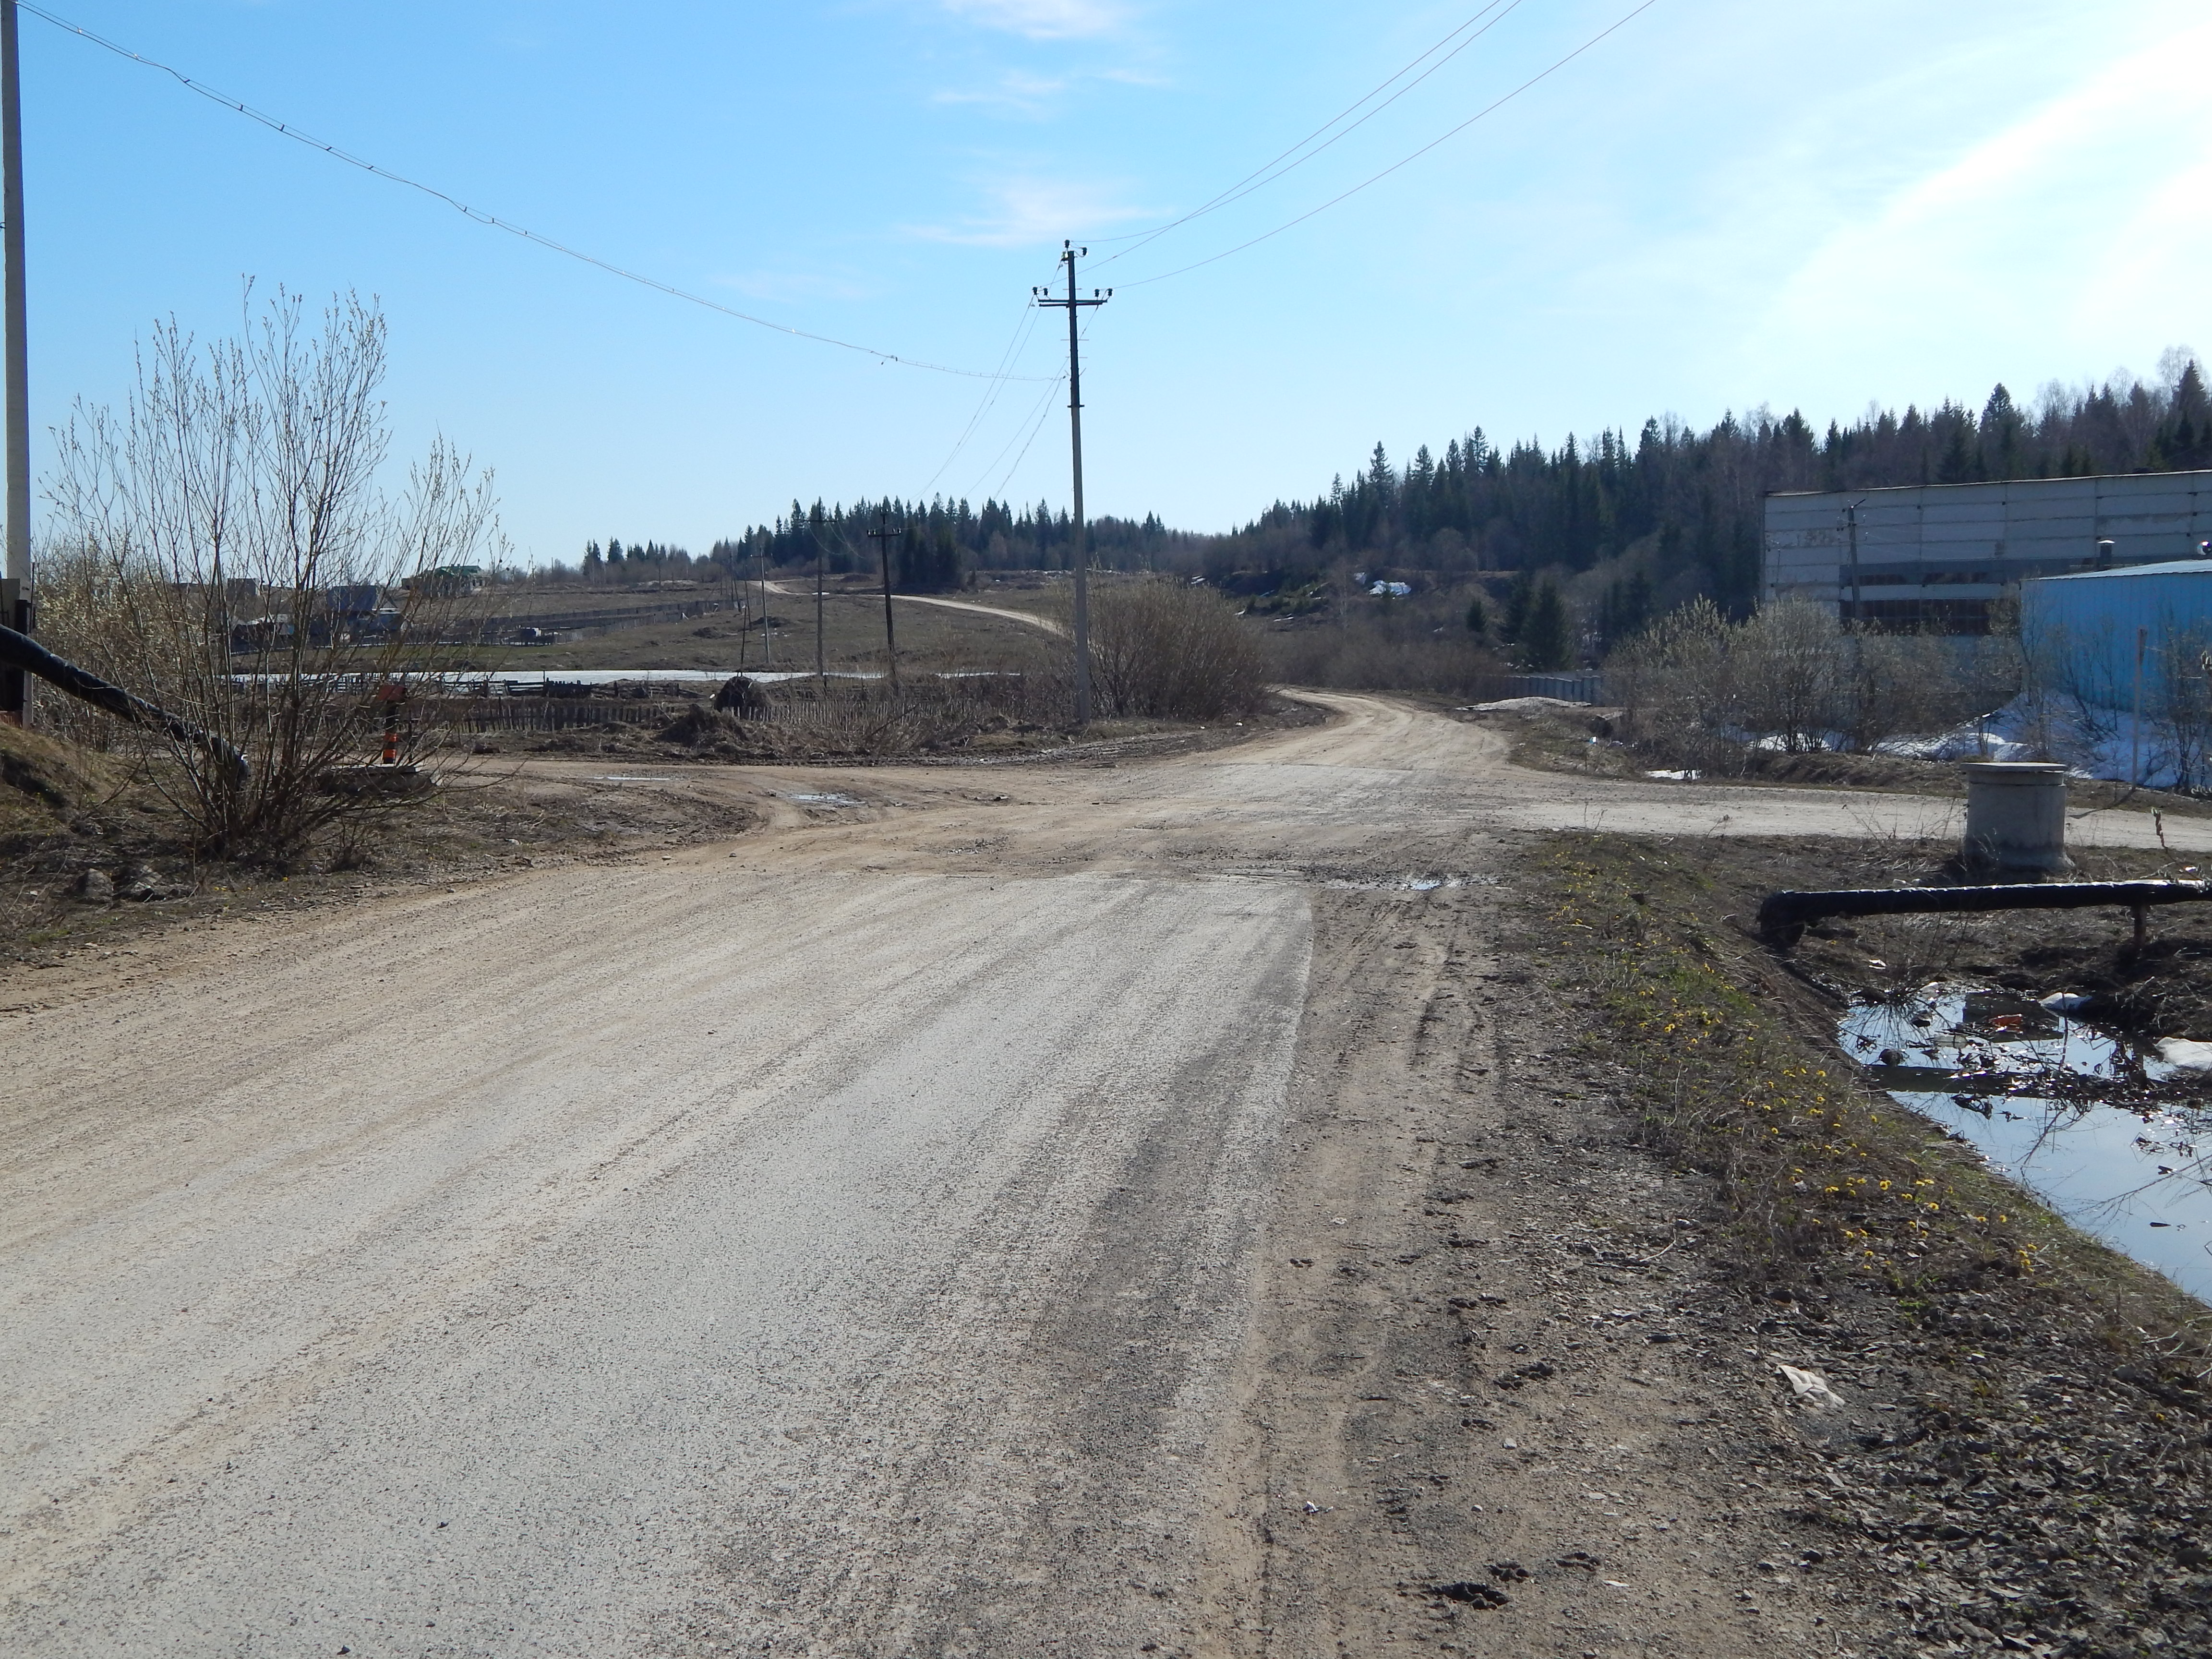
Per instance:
(1811,1389)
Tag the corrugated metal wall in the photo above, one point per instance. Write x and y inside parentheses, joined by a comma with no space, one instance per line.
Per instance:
(2085,629)
(1937,555)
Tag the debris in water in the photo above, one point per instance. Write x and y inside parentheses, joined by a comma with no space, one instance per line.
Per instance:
(2114,1134)
(2189,1055)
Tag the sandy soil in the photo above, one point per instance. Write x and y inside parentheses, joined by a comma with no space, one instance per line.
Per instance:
(1099,1209)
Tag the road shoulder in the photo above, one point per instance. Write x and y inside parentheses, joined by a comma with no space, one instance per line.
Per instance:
(1497,1398)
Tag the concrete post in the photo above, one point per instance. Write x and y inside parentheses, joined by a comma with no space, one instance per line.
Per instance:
(2015,818)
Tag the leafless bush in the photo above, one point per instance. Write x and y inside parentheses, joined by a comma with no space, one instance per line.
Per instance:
(1789,673)
(1165,650)
(1901,685)
(1705,690)
(1677,682)
(1419,644)
(2178,708)
(226,551)
(871,718)
(2078,673)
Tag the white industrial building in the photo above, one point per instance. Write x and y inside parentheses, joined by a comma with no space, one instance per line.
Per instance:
(1934,555)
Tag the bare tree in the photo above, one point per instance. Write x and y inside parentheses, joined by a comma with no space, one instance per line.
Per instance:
(1790,673)
(230,554)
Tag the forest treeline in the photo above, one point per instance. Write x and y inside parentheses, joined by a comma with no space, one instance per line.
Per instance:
(1629,526)
(1689,504)
(934,548)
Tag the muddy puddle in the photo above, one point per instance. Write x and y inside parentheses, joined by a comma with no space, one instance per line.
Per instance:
(2114,1136)
(1406,884)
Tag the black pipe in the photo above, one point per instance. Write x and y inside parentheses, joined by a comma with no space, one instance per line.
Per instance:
(1783,917)
(21,651)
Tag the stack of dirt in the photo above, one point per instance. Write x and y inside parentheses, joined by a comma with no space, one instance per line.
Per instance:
(702,727)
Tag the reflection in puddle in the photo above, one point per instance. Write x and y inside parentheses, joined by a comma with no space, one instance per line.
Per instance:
(823,800)
(2021,1081)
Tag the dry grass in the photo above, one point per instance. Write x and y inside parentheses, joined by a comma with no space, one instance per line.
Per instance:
(1739,1076)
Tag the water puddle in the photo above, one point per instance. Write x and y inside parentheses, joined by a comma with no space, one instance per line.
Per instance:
(823,800)
(2106,1132)
(1406,884)
(624,777)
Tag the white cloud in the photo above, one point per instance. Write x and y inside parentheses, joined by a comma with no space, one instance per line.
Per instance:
(1043,20)
(1017,93)
(1037,212)
(2075,232)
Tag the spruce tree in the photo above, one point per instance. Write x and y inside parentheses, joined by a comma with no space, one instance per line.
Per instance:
(1546,645)
(1518,600)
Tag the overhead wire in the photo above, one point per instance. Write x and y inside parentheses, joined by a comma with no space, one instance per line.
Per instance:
(1043,413)
(285,128)
(1011,355)
(1272,170)
(1403,160)
(1030,423)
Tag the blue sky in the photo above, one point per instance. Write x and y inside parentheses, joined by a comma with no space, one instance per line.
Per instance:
(1723,203)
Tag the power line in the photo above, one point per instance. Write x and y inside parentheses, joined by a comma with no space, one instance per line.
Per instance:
(1402,161)
(1007,358)
(285,128)
(1033,424)
(1270,171)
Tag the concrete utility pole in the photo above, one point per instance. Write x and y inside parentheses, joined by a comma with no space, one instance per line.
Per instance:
(1069,254)
(881,536)
(15,587)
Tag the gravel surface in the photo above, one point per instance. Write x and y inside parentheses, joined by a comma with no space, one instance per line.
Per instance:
(1126,1209)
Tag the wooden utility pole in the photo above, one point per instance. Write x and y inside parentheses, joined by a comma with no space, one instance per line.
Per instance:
(821,659)
(768,630)
(1852,525)
(741,603)
(881,536)
(15,585)
(1069,254)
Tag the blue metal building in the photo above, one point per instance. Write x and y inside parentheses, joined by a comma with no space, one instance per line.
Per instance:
(2091,626)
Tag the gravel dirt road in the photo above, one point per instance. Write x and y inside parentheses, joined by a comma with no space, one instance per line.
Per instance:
(1082,1211)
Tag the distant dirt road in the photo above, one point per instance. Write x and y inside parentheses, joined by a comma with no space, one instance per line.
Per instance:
(959,1222)
(1003,613)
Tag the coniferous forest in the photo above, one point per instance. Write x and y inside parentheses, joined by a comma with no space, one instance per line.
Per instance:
(1630,526)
